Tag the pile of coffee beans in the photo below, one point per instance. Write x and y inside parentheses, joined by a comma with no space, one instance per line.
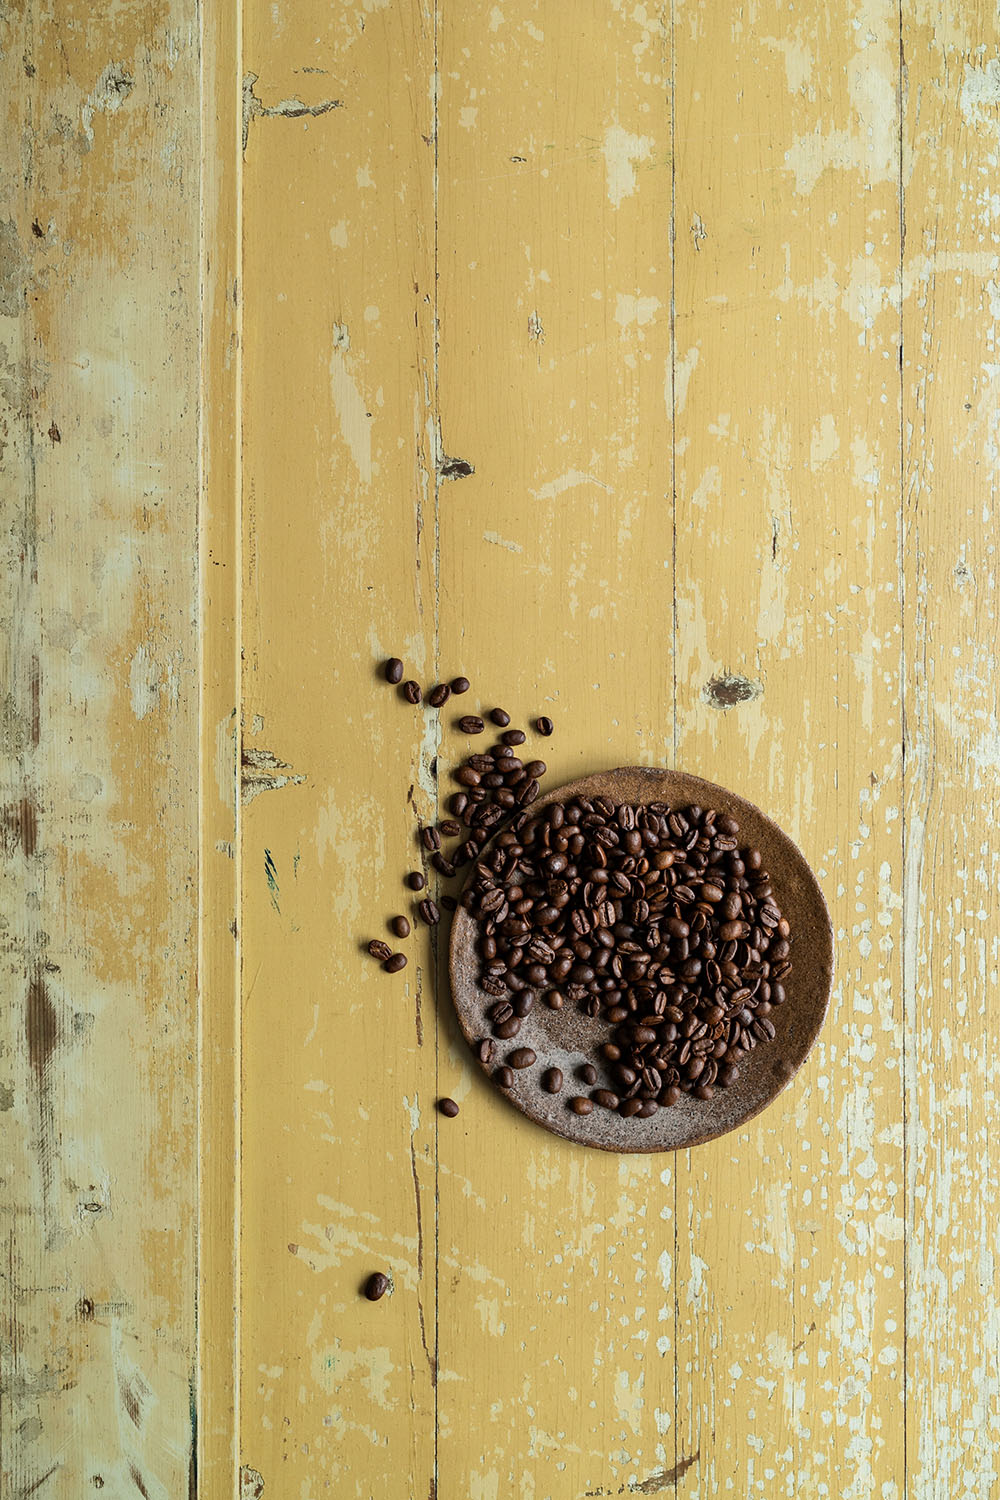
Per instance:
(649,918)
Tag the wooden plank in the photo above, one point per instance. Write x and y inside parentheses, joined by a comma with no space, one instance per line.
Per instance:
(338,1128)
(99,322)
(789,1262)
(950,909)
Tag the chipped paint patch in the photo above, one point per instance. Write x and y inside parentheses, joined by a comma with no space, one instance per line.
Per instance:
(264,772)
(730,688)
(353,415)
(621,151)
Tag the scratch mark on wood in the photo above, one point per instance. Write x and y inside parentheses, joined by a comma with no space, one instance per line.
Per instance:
(420,1263)
(291,109)
(271,876)
(31,1488)
(138,1481)
(535,330)
(262,771)
(657,1482)
(19,826)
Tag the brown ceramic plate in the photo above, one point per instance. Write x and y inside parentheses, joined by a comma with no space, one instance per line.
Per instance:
(565,1038)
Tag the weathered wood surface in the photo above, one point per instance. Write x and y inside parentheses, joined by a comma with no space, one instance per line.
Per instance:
(707,301)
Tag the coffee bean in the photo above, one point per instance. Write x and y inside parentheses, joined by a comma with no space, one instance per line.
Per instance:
(552,1080)
(485,1050)
(438,696)
(513,737)
(523,1004)
(429,913)
(416,880)
(605,1098)
(647,1108)
(379,950)
(394,963)
(581,1105)
(460,684)
(521,1057)
(449,903)
(508,1029)
(394,670)
(504,1077)
(544,725)
(554,1000)
(629,1107)
(376,1286)
(471,724)
(442,865)
(535,769)
(411,692)
(430,838)
(448,1107)
(588,1073)
(498,716)
(400,927)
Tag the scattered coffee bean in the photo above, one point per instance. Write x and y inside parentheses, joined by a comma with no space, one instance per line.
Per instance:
(544,725)
(442,865)
(449,903)
(394,963)
(411,692)
(498,716)
(485,1050)
(416,880)
(376,1286)
(504,1077)
(448,1107)
(605,1098)
(552,1080)
(536,769)
(471,724)
(460,684)
(508,1029)
(429,913)
(588,1073)
(400,927)
(430,838)
(394,670)
(581,1105)
(513,737)
(379,950)
(522,1057)
(438,696)
(450,828)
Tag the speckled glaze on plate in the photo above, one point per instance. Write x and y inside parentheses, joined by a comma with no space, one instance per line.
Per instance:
(565,1039)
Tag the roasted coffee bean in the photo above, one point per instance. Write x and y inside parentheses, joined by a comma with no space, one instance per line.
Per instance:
(554,1000)
(430,838)
(588,1074)
(508,1029)
(471,724)
(381,950)
(504,1077)
(411,692)
(448,1107)
(416,880)
(499,717)
(581,1105)
(429,912)
(450,828)
(605,1098)
(552,1080)
(467,776)
(394,670)
(629,1107)
(394,963)
(442,865)
(523,1004)
(438,696)
(376,1286)
(535,769)
(513,737)
(400,927)
(522,1057)
(485,1050)
(647,1108)
(544,725)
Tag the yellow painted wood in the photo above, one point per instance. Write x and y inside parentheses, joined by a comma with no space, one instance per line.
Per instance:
(99,339)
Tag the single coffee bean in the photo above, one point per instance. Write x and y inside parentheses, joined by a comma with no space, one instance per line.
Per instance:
(646,1108)
(535,768)
(416,880)
(430,838)
(376,1286)
(429,912)
(544,725)
(449,903)
(498,716)
(629,1107)
(588,1073)
(471,724)
(460,684)
(394,670)
(523,1004)
(442,865)
(448,1107)
(411,692)
(605,1098)
(400,927)
(485,1050)
(450,828)
(522,1057)
(379,950)
(438,696)
(554,1000)
(508,1029)
(513,737)
(581,1106)
(552,1080)
(504,1077)
(394,963)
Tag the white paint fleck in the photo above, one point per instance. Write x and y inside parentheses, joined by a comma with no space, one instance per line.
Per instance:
(621,150)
